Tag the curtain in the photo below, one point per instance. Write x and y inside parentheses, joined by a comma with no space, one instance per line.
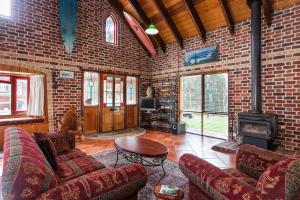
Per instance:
(36,96)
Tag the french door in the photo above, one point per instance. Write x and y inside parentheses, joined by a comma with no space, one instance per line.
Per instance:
(113,107)
(204,104)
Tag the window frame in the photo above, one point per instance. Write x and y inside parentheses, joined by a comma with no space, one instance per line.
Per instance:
(15,94)
(115,29)
(13,83)
(11,12)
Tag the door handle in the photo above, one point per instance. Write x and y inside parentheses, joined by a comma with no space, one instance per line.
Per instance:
(112,109)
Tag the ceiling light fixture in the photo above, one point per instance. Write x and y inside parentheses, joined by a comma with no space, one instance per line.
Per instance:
(151,30)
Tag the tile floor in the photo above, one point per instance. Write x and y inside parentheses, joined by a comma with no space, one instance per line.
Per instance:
(178,145)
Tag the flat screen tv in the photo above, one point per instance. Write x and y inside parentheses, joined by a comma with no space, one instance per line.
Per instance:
(148,104)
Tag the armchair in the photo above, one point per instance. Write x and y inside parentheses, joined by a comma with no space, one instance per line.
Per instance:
(259,174)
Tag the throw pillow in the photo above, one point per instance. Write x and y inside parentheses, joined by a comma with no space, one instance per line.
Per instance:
(48,148)
(281,180)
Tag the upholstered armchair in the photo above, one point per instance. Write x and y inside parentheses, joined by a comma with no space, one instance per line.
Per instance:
(259,175)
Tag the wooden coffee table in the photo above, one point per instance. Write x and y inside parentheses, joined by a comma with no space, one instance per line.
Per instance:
(141,150)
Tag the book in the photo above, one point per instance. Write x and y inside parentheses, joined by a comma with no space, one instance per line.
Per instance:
(169,190)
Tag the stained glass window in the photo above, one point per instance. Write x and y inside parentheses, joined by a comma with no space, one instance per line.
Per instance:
(91,88)
(119,91)
(111,30)
(131,83)
(5,8)
(108,83)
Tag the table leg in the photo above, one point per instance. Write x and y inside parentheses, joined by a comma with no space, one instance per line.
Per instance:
(117,159)
(162,166)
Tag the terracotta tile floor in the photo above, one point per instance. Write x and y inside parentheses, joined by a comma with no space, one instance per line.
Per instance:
(178,145)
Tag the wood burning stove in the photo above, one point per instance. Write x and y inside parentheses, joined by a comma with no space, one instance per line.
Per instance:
(255,127)
(258,129)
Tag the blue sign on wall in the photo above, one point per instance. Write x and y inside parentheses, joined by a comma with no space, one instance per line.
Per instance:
(201,56)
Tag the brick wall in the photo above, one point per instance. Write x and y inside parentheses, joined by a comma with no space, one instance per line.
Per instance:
(32,40)
(280,64)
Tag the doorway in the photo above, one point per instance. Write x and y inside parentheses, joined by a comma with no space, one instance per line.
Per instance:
(204,104)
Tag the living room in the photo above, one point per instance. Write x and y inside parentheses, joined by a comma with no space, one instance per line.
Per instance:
(157,99)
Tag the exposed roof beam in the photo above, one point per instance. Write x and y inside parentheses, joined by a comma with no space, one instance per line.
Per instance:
(196,19)
(268,11)
(227,15)
(118,7)
(163,12)
(147,22)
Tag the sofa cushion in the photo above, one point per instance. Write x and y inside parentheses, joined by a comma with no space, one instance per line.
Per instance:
(47,148)
(282,180)
(70,155)
(26,172)
(63,141)
(77,167)
(241,176)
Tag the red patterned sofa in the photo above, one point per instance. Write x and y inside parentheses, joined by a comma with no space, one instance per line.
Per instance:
(28,175)
(259,175)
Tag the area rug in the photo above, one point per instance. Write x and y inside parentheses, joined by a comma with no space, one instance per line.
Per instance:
(116,134)
(228,146)
(155,174)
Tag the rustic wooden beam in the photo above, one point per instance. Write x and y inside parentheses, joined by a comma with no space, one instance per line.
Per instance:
(168,19)
(119,9)
(227,15)
(147,22)
(268,11)
(196,19)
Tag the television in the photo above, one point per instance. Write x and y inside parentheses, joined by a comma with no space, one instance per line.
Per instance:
(148,104)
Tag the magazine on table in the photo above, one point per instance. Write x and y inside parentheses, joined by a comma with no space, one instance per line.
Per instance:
(169,190)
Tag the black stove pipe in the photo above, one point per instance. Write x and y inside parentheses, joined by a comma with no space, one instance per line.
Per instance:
(255,6)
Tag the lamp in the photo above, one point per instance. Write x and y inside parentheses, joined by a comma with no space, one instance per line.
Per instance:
(151,30)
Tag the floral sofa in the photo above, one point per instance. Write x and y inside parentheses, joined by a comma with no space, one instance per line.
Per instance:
(259,175)
(28,175)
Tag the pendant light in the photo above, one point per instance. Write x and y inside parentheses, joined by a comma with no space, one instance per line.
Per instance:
(151,30)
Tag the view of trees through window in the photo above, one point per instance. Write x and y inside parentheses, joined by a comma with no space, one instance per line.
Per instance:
(206,113)
(110,30)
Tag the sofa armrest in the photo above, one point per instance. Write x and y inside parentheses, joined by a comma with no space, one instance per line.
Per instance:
(118,184)
(63,141)
(214,182)
(253,160)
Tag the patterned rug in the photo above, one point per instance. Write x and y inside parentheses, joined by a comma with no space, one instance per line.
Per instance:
(116,134)
(227,146)
(155,174)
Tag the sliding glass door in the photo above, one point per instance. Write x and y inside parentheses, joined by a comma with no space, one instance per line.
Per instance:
(204,104)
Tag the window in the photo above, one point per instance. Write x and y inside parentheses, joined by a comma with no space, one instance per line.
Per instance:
(204,104)
(91,88)
(108,83)
(14,92)
(119,98)
(5,8)
(131,83)
(111,30)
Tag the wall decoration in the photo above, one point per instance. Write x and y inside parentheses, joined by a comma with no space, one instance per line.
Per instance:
(68,23)
(66,74)
(201,56)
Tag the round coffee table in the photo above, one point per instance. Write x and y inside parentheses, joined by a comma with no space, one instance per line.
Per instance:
(141,150)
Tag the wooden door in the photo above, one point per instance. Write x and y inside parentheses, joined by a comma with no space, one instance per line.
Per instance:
(113,103)
(91,102)
(131,101)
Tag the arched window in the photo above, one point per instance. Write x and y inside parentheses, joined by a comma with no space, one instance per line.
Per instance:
(111,30)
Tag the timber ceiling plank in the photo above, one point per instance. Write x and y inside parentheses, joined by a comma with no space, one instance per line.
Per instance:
(268,11)
(163,11)
(227,15)
(147,22)
(196,19)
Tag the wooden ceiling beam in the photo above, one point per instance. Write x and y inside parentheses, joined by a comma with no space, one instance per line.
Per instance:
(147,22)
(227,15)
(168,19)
(196,19)
(268,11)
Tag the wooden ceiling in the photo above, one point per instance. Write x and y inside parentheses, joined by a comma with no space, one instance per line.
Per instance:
(177,20)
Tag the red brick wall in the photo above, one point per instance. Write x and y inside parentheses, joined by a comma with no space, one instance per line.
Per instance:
(33,40)
(280,75)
